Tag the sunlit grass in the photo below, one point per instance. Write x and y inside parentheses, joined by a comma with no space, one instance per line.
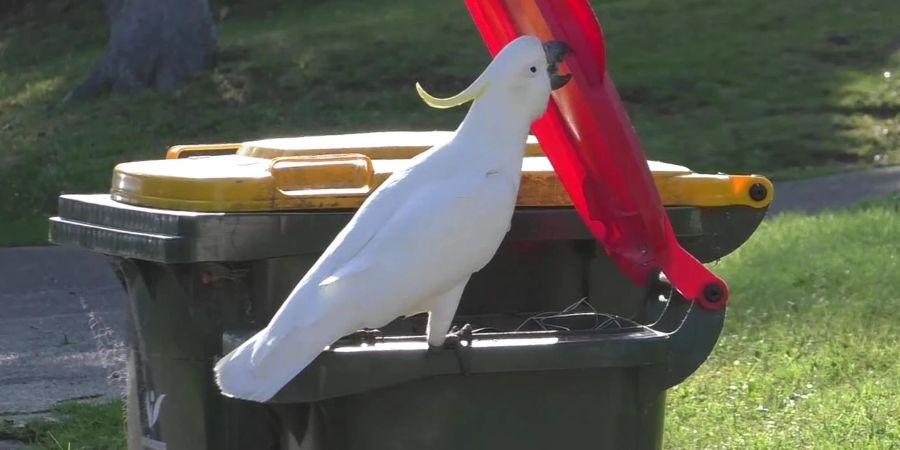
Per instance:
(75,426)
(35,90)
(808,357)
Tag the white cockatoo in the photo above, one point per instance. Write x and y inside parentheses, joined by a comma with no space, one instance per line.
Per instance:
(413,244)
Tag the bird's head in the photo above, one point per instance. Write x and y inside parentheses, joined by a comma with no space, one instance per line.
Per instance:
(522,74)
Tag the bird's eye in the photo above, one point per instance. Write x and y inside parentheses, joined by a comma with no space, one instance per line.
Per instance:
(533,69)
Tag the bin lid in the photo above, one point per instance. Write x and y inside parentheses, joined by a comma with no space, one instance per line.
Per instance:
(340,171)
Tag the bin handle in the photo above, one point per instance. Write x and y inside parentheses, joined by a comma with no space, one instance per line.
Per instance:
(186,151)
(340,175)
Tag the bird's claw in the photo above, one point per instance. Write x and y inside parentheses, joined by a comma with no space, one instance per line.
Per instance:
(455,340)
(457,335)
(365,337)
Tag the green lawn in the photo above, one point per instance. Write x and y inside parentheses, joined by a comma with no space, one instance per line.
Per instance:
(783,88)
(808,357)
(76,426)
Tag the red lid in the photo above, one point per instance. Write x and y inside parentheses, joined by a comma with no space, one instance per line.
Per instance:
(589,139)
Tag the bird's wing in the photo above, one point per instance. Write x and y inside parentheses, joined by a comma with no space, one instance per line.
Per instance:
(430,241)
(409,240)
(300,309)
(367,221)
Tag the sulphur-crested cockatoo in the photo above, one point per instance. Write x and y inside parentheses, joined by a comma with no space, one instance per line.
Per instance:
(413,244)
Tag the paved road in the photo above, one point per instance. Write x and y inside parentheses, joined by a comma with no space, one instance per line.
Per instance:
(836,191)
(62,310)
(61,323)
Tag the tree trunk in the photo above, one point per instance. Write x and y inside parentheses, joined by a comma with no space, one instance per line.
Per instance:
(152,44)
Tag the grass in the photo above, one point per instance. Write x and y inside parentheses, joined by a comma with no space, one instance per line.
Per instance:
(787,89)
(77,426)
(807,359)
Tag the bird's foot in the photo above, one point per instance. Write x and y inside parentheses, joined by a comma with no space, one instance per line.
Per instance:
(364,337)
(459,337)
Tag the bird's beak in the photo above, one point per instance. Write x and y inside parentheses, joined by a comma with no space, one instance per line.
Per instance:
(556,51)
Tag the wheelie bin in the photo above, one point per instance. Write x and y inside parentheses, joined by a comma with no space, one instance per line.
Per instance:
(566,352)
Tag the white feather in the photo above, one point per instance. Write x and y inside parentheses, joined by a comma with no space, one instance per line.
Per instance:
(414,242)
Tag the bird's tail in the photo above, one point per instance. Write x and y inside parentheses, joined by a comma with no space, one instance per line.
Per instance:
(239,376)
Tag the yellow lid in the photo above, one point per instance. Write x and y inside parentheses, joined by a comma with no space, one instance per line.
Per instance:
(338,172)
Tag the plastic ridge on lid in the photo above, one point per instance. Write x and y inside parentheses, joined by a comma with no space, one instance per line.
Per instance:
(587,135)
(387,145)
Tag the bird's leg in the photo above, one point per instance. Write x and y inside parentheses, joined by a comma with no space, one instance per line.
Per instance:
(441,310)
(436,332)
(439,319)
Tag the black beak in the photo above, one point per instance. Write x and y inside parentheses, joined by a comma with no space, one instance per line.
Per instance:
(556,51)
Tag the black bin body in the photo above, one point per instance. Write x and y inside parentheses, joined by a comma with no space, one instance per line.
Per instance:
(200,283)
